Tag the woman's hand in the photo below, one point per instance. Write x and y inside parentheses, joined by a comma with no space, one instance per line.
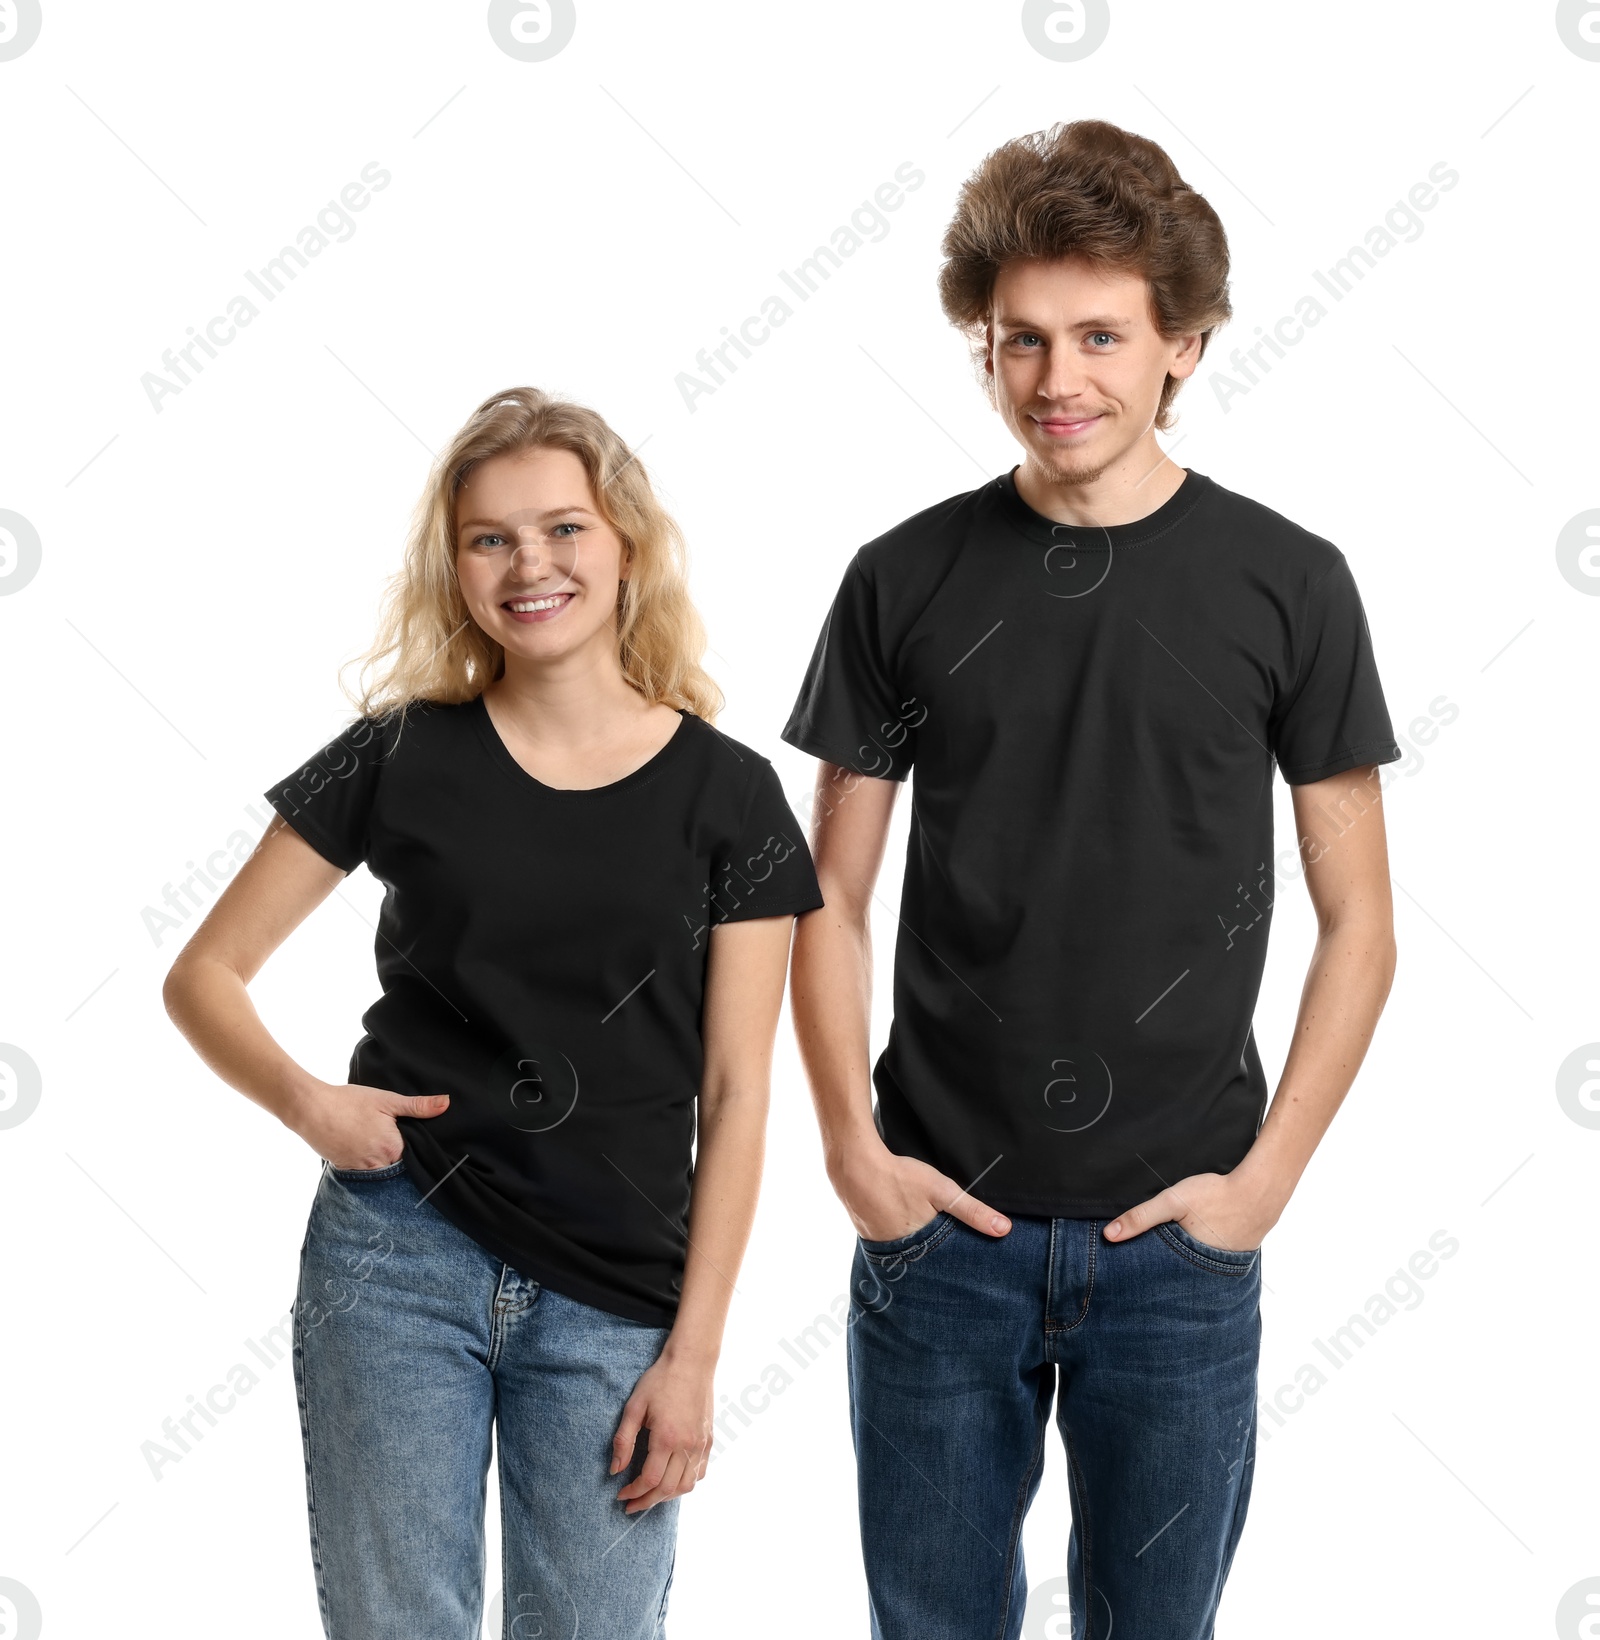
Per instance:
(673,1402)
(354,1126)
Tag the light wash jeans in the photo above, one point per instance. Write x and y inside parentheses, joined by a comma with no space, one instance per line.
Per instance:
(411,1343)
(958,1345)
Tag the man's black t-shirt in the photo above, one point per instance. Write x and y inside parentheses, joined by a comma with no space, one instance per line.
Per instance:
(1091,717)
(542,954)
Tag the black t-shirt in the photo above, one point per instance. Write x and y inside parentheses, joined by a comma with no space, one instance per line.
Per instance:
(1090,717)
(542,954)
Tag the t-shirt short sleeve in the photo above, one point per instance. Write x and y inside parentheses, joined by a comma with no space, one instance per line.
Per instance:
(1333,717)
(768,871)
(329,798)
(849,710)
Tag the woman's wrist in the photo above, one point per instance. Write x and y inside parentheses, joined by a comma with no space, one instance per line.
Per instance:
(692,1347)
(296,1096)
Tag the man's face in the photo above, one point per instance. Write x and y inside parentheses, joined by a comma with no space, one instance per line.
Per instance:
(1078,364)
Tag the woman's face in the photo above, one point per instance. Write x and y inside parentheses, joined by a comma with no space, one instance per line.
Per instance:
(539,567)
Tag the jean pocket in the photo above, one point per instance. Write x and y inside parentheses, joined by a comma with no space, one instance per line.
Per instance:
(1230,1261)
(913,1243)
(347,1175)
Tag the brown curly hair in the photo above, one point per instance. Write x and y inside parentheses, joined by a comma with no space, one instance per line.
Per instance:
(1088,188)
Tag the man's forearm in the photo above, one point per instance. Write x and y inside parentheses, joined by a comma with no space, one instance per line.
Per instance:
(830,1002)
(1345,990)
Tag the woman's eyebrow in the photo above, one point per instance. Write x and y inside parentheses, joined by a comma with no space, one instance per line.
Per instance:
(549,512)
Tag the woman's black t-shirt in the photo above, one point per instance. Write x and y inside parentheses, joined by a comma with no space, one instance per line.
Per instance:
(542,954)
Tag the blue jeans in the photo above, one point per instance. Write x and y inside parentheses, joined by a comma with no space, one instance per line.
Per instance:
(410,1343)
(958,1344)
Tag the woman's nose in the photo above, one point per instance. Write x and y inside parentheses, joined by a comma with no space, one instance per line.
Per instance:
(526,555)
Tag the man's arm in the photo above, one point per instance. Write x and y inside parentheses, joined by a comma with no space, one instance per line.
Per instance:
(830,1001)
(1346,858)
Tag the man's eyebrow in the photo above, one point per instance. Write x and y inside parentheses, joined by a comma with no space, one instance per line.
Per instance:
(549,512)
(1101,321)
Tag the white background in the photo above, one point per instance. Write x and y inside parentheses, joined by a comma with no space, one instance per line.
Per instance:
(589,223)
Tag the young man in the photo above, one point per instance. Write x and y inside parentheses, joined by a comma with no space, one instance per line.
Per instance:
(1090,665)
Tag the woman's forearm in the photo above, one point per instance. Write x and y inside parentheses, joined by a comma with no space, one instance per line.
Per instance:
(722,1206)
(210,1005)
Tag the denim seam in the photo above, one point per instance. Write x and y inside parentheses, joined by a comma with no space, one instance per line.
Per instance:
(1216,1266)
(497,1319)
(1088,1289)
(298,1350)
(1018,1514)
(666,1589)
(1049,1277)
(915,1250)
(1235,1526)
(505,1536)
(390,1170)
(1080,1496)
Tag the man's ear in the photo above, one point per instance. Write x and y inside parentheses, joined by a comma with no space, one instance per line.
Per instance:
(988,349)
(1186,360)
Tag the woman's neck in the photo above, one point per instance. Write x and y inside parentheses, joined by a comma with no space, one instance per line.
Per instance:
(564,707)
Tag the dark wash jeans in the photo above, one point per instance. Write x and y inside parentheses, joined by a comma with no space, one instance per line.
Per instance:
(958,1344)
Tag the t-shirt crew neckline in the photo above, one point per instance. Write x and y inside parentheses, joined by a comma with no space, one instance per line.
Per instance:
(519,776)
(1100,537)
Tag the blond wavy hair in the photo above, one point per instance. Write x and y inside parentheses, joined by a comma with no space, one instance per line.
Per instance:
(428,646)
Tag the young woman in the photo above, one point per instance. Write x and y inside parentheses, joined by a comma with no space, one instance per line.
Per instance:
(582,950)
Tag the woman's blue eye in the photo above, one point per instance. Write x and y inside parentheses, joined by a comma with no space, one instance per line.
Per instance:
(560,527)
(1106,333)
(480,540)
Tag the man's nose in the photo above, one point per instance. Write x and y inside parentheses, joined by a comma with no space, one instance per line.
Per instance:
(1063,376)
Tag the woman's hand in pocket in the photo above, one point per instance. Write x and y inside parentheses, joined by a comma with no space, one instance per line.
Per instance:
(354,1126)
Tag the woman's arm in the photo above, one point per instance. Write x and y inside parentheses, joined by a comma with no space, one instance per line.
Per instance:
(270,895)
(744,990)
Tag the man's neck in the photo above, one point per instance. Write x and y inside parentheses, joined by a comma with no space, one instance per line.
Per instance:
(1130,488)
